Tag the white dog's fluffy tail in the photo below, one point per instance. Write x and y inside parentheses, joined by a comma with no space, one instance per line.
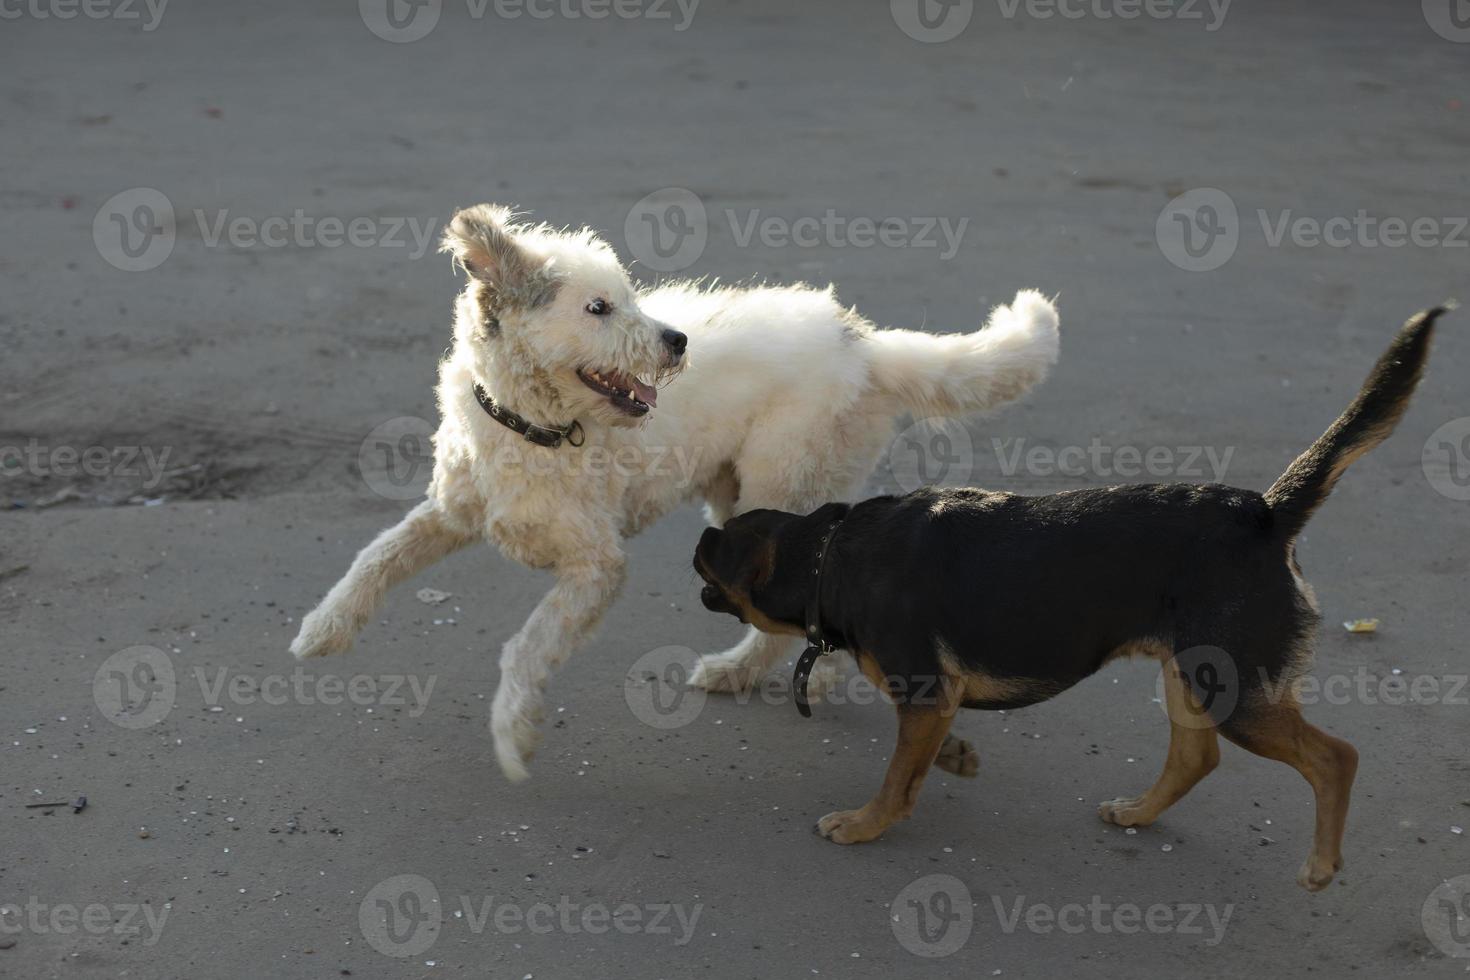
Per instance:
(951,374)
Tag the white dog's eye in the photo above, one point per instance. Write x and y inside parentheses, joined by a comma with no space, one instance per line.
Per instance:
(599,307)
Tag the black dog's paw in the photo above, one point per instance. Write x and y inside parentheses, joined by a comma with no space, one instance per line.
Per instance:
(959,757)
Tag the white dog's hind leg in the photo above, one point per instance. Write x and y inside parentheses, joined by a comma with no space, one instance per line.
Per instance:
(410,546)
(559,623)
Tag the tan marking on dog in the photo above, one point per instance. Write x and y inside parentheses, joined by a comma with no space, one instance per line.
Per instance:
(1155,649)
(740,598)
(1329,764)
(922,730)
(976,685)
(1194,752)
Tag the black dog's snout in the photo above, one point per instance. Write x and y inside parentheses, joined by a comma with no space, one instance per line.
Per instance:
(676,341)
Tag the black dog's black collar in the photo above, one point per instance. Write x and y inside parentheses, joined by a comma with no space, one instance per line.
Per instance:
(541,435)
(817,645)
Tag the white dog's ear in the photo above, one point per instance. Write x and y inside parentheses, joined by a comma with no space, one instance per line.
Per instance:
(482,240)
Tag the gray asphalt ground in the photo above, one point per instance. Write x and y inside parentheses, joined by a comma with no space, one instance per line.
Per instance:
(247,821)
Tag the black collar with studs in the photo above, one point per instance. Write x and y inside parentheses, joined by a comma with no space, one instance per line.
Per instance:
(542,435)
(817,643)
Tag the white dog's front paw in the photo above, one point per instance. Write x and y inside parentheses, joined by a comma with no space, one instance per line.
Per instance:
(513,723)
(322,634)
(721,673)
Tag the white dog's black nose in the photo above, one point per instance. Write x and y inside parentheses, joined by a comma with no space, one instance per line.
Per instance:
(676,341)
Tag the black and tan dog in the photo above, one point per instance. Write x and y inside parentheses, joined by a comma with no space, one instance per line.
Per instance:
(952,598)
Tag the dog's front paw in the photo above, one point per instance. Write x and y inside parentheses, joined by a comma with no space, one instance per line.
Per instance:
(1127,812)
(322,634)
(513,722)
(720,673)
(959,757)
(1316,874)
(850,826)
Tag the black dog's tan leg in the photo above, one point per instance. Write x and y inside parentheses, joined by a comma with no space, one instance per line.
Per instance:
(1194,751)
(921,733)
(1278,731)
(958,756)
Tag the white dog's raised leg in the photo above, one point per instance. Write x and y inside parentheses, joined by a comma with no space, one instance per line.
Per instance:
(558,625)
(737,670)
(410,546)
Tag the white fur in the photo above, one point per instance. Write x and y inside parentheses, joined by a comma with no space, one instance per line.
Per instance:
(787,401)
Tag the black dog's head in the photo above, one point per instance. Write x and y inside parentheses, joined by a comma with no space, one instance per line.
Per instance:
(758,568)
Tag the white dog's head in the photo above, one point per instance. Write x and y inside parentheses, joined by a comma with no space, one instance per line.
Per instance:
(555,309)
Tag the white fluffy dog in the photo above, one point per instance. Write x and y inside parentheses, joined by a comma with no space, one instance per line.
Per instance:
(787,401)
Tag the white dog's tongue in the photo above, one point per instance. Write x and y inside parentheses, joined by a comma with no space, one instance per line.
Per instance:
(646,393)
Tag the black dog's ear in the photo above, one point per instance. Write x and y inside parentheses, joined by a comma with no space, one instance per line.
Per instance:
(482,239)
(831,513)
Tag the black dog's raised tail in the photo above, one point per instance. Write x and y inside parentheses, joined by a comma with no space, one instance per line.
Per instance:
(1369,420)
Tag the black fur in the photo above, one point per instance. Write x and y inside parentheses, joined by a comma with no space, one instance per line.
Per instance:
(1366,423)
(1039,592)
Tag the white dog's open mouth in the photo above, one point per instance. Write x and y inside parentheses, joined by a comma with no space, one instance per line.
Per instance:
(626,393)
